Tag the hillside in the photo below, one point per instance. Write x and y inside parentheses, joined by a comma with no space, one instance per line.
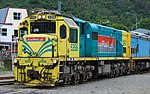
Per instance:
(96,11)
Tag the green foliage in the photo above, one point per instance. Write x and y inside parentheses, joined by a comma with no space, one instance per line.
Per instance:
(144,23)
(119,26)
(91,10)
(4,69)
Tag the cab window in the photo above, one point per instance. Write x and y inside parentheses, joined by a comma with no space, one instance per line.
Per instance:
(73,36)
(62,31)
(43,27)
(23,31)
(124,49)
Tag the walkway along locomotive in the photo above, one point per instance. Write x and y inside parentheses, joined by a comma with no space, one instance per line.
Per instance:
(54,49)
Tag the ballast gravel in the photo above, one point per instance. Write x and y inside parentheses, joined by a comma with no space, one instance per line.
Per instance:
(131,84)
(6,73)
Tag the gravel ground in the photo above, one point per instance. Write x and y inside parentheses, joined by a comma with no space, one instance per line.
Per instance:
(132,84)
(6,73)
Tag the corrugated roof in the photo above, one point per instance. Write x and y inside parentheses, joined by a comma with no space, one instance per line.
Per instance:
(3,14)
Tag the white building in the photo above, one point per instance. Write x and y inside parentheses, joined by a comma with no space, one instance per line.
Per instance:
(6,32)
(10,19)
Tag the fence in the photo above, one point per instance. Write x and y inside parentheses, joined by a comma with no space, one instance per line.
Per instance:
(5,59)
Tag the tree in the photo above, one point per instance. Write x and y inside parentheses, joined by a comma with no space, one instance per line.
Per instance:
(144,23)
(119,26)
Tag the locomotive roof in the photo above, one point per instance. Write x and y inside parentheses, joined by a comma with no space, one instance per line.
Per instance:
(143,31)
(102,27)
(78,20)
(70,22)
(139,35)
(97,26)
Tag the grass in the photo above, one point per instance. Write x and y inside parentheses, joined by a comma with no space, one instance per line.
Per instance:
(4,69)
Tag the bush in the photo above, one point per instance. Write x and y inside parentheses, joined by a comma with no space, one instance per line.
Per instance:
(4,69)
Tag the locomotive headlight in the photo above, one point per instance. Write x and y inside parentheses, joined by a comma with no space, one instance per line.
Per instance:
(39,17)
(54,61)
(43,16)
(15,61)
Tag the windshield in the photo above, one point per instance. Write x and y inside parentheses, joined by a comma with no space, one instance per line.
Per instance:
(43,27)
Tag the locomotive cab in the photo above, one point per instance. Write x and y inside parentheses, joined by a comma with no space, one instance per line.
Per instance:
(44,40)
(64,28)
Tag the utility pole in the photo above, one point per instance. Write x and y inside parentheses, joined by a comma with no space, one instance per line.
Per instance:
(59,6)
(135,18)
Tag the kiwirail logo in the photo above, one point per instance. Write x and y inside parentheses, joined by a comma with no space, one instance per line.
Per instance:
(32,39)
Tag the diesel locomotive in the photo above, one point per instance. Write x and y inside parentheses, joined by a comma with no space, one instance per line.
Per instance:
(55,49)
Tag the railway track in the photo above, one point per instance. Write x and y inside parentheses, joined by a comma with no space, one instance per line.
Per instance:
(9,80)
(6,80)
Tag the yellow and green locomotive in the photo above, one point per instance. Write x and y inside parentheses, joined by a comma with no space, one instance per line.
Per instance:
(43,47)
(54,49)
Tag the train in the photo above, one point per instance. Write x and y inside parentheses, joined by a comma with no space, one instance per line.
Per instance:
(55,50)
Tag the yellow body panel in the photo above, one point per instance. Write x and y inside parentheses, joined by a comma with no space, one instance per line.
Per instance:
(74,50)
(65,47)
(96,58)
(126,43)
(37,64)
(63,43)
(129,44)
(19,48)
(141,58)
(35,47)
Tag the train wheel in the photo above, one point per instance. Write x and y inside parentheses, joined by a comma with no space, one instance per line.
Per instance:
(81,78)
(75,79)
(137,69)
(72,79)
(112,74)
(61,83)
(67,80)
(85,77)
(121,72)
(117,72)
